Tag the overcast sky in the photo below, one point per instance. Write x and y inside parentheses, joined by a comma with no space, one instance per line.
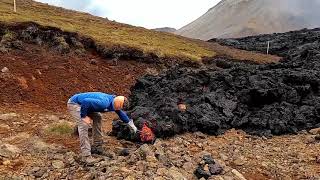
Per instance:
(145,13)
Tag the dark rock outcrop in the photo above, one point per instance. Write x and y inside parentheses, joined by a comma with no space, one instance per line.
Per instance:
(265,100)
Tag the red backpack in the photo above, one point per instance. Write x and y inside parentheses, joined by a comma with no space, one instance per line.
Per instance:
(146,134)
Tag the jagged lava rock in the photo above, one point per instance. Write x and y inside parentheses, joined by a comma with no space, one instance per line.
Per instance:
(264,100)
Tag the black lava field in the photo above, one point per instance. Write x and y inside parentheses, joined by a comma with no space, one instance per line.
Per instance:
(262,100)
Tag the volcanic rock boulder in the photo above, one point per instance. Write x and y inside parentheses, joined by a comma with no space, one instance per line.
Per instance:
(208,167)
(264,100)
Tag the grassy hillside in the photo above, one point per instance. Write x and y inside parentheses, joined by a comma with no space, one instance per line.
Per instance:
(103,31)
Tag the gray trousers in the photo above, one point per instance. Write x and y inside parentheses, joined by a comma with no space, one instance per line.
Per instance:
(85,146)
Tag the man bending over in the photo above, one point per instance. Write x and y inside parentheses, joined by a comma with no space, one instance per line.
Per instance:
(86,109)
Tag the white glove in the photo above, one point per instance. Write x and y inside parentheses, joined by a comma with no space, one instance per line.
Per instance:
(132,126)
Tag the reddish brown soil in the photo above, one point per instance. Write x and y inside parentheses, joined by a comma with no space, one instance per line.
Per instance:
(41,78)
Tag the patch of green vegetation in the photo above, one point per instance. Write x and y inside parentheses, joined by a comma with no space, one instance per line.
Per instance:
(63,128)
(8,35)
(106,32)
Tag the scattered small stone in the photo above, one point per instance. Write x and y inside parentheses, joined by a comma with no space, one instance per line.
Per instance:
(310,139)
(201,173)
(124,169)
(58,157)
(93,62)
(200,135)
(17,44)
(305,132)
(34,170)
(57,164)
(4,126)
(40,173)
(175,174)
(124,152)
(208,167)
(9,151)
(6,162)
(238,174)
(70,157)
(158,178)
(223,157)
(317,137)
(145,151)
(221,178)
(54,118)
(151,159)
(5,70)
(208,159)
(215,169)
(8,116)
(315,131)
(162,171)
(141,165)
(240,161)
(129,178)
(3,49)
(188,166)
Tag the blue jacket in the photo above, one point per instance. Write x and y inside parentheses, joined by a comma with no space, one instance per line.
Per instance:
(97,102)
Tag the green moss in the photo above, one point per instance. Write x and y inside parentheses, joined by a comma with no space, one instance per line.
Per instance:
(63,128)
(8,36)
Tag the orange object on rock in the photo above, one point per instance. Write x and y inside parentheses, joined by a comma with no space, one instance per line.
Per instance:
(146,134)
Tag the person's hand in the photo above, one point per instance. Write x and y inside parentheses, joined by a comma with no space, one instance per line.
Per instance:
(132,126)
(87,120)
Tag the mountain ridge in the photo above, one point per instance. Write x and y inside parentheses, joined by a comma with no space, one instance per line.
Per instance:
(165,29)
(252,17)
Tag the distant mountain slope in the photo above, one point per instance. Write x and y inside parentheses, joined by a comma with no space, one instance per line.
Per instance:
(107,33)
(166,29)
(238,18)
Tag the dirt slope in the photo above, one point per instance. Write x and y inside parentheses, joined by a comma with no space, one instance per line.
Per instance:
(43,66)
(239,18)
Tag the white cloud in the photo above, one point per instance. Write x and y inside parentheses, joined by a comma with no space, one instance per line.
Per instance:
(146,13)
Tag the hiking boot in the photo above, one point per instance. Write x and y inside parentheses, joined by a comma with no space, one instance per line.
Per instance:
(99,150)
(89,160)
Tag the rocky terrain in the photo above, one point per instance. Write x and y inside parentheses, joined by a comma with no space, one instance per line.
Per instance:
(264,100)
(253,17)
(290,45)
(41,67)
(32,147)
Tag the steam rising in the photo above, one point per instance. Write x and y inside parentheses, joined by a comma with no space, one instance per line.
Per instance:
(308,9)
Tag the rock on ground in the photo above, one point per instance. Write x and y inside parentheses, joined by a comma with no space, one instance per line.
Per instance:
(9,151)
